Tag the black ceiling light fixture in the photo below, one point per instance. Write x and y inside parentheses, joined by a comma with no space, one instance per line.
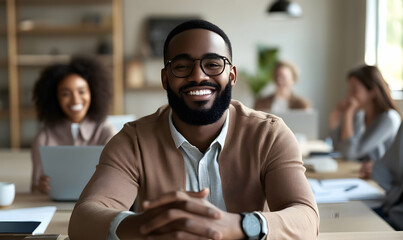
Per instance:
(285,9)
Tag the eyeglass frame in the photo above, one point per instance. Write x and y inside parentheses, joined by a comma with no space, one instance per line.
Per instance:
(201,66)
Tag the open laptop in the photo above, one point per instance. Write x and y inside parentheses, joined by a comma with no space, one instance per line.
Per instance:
(69,168)
(118,121)
(302,122)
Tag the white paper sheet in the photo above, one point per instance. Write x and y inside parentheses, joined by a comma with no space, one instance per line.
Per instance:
(338,190)
(42,214)
(323,195)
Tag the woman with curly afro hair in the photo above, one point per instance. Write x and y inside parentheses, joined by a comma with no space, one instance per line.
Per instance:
(72,102)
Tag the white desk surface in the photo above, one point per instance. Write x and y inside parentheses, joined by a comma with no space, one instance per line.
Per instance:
(395,235)
(353,216)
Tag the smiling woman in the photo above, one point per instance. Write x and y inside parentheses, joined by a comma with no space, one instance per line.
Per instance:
(72,103)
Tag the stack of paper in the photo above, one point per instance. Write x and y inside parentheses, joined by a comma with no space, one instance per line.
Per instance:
(321,164)
(40,214)
(339,190)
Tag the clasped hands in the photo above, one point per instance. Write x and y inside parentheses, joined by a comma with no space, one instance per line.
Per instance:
(181,215)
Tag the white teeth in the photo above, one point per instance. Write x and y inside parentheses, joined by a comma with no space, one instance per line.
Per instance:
(77,107)
(199,92)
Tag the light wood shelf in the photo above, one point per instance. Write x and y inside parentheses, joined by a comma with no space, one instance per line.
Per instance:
(4,114)
(3,62)
(150,87)
(65,30)
(62,2)
(27,112)
(34,60)
(17,61)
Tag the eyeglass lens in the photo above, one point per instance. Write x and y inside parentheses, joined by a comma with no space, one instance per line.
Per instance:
(212,66)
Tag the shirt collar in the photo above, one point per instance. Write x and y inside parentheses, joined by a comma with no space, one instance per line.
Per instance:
(179,139)
(86,128)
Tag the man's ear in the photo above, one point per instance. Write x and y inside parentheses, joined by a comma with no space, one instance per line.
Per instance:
(232,75)
(164,78)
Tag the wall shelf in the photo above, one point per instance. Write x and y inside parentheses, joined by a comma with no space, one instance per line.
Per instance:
(31,35)
(63,2)
(37,60)
(28,113)
(66,30)
(4,114)
(3,62)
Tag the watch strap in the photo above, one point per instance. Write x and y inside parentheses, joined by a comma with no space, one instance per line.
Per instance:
(265,228)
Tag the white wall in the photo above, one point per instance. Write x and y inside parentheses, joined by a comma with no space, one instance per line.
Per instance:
(324,44)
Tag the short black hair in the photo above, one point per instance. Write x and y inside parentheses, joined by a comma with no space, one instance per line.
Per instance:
(45,89)
(194,24)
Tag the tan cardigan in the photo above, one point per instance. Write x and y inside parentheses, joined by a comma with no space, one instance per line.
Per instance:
(260,162)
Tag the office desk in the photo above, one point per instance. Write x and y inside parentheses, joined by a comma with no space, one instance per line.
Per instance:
(396,235)
(345,169)
(353,216)
(338,220)
(60,221)
(336,217)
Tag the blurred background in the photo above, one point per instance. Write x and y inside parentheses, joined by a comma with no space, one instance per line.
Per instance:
(325,40)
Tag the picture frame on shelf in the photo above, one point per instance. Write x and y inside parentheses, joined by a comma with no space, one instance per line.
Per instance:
(158,29)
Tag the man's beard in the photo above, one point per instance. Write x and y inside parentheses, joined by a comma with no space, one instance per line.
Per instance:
(203,116)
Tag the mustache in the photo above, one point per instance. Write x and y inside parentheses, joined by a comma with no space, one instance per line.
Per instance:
(202,84)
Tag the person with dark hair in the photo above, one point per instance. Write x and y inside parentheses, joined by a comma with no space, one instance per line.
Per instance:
(363,125)
(202,167)
(72,102)
(283,99)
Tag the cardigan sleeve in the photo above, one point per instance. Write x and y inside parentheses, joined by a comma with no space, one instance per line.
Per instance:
(293,210)
(111,190)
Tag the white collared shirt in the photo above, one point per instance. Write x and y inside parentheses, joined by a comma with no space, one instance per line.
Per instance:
(202,171)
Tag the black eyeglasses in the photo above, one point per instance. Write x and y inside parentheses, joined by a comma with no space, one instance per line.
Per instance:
(211,65)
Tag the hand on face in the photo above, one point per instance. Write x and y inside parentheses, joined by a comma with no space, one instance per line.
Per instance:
(186,215)
(352,105)
(337,113)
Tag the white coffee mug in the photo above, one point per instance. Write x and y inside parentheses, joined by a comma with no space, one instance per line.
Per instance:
(7,193)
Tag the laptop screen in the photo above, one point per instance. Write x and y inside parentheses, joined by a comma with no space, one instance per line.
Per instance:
(69,168)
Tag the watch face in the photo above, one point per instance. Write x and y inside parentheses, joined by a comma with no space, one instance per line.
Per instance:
(251,226)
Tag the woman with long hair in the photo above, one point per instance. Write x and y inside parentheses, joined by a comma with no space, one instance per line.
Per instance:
(364,125)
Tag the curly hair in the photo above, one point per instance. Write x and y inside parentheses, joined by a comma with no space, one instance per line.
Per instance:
(45,89)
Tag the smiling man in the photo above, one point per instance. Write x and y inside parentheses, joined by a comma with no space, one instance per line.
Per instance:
(202,167)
